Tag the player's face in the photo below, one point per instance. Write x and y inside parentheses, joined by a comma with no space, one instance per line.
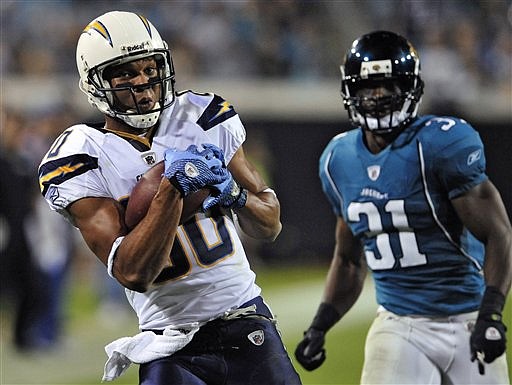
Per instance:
(378,100)
(135,82)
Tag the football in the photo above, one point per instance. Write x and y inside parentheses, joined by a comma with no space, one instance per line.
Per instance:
(146,188)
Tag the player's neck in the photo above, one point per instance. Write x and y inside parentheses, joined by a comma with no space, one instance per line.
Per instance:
(375,143)
(117,125)
(378,142)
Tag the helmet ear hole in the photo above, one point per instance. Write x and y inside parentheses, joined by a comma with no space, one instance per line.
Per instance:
(95,92)
(87,87)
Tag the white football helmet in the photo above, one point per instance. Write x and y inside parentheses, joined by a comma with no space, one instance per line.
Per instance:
(113,39)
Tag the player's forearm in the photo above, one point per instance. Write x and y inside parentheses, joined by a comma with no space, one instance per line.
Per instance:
(498,247)
(343,287)
(498,263)
(482,211)
(260,217)
(345,282)
(145,251)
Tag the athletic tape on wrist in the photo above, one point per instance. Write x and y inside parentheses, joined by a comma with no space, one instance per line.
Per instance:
(112,255)
(492,303)
(326,316)
(268,189)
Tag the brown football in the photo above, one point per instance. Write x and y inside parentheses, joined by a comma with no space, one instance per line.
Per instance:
(146,188)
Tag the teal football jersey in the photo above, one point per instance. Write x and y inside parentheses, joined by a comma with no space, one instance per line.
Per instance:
(397,202)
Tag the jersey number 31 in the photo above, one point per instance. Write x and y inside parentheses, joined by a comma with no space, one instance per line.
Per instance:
(386,259)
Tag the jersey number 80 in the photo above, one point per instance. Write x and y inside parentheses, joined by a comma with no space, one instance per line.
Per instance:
(207,247)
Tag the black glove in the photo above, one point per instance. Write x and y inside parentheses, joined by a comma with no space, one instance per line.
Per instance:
(488,340)
(310,352)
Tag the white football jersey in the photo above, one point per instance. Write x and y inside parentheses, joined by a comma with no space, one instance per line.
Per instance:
(208,270)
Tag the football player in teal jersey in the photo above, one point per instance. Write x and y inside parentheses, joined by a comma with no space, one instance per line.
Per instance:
(201,315)
(415,206)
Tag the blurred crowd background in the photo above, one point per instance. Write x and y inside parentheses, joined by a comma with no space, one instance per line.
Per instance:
(278,39)
(276,61)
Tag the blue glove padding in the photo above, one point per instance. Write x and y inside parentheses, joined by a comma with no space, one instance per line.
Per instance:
(217,152)
(191,170)
(227,194)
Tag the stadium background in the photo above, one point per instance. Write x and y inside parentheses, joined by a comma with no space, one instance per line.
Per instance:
(277,62)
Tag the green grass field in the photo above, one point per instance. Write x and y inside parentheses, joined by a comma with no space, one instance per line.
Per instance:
(293,294)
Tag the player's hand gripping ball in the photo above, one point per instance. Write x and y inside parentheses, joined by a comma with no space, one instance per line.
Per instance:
(191,170)
(146,188)
(227,194)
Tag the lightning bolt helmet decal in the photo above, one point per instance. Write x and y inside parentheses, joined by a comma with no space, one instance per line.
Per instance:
(146,24)
(98,26)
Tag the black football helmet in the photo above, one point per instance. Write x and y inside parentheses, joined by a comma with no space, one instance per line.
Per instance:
(381,59)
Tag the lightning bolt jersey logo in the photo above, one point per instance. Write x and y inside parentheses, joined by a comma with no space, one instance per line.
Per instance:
(60,170)
(217,112)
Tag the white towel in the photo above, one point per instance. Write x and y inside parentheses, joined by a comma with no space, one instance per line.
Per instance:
(143,347)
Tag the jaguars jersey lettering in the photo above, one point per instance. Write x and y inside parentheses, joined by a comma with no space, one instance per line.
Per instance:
(397,202)
(208,268)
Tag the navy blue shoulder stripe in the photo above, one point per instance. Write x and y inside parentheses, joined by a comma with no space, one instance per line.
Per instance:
(217,111)
(62,169)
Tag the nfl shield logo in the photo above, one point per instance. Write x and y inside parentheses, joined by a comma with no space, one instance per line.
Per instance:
(149,158)
(373,172)
(257,337)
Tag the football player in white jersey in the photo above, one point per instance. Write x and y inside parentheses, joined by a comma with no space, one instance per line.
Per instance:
(415,206)
(200,312)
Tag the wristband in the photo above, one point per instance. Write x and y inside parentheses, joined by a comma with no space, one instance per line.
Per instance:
(112,255)
(268,189)
(492,304)
(326,316)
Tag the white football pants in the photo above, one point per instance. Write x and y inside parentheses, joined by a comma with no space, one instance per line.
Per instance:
(420,350)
